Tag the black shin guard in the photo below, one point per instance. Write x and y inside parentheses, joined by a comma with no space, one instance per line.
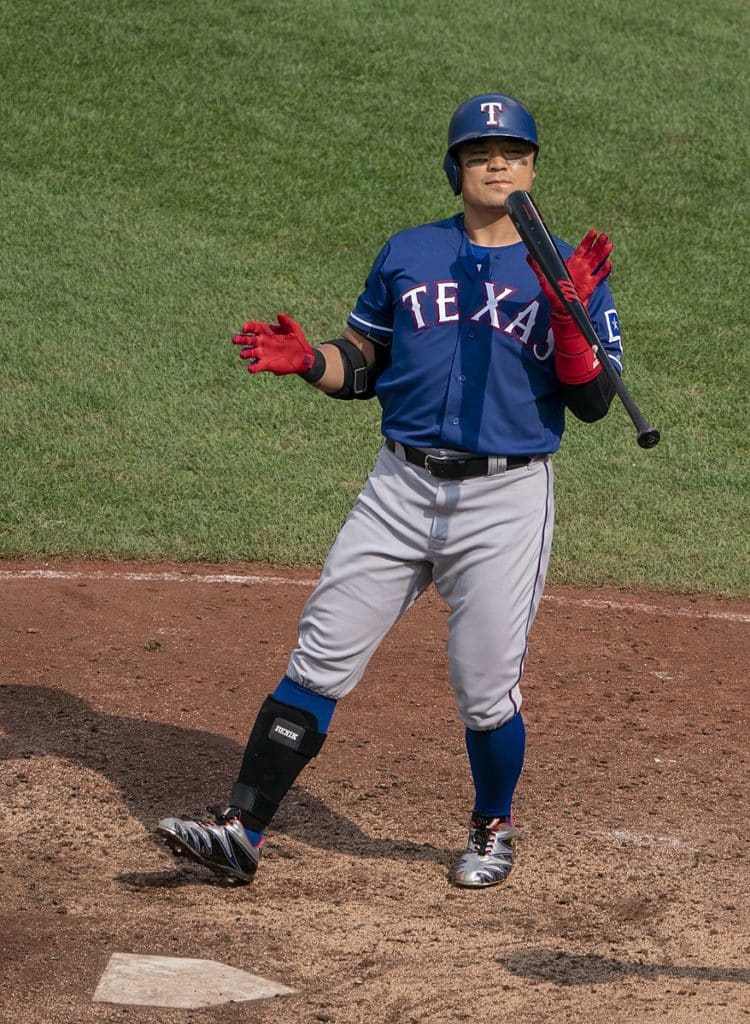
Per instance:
(283,740)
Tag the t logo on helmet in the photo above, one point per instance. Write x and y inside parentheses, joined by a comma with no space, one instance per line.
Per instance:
(493,110)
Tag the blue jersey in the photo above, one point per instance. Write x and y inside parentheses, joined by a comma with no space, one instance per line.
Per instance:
(470,341)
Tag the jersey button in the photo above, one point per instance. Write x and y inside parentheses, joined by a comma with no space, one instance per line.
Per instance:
(462,377)
(454,421)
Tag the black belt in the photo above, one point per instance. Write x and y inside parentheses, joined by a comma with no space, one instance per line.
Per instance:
(455,466)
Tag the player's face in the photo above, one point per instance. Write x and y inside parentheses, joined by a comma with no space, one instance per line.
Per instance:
(492,168)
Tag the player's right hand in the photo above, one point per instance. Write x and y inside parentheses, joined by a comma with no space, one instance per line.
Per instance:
(280,348)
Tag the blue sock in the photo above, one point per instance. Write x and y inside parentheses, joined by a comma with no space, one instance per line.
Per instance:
(254,837)
(300,697)
(496,759)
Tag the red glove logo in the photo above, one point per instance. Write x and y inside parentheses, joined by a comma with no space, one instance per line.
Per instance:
(568,290)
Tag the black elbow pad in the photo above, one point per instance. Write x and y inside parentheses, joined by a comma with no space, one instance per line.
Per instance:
(590,401)
(356,372)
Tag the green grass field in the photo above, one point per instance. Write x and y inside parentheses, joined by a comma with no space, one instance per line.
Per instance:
(169,170)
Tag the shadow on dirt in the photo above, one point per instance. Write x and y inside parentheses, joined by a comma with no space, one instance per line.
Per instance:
(158,767)
(563,968)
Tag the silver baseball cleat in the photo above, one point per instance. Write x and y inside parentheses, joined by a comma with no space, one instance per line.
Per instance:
(222,845)
(489,855)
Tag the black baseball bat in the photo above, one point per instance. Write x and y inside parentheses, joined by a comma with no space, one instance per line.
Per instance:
(533,231)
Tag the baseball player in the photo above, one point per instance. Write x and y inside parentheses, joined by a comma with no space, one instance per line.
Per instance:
(474,362)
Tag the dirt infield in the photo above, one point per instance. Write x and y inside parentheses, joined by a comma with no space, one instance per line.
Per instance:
(123,699)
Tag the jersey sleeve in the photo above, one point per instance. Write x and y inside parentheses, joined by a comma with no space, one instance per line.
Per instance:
(603,313)
(373,312)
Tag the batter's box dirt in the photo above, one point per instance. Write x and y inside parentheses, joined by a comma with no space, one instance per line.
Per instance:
(126,693)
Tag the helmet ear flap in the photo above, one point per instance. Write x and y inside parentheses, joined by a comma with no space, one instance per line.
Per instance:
(453,173)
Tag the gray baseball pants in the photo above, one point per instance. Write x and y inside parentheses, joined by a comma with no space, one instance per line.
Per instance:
(484,543)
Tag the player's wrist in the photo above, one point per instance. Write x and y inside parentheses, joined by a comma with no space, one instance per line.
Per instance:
(568,336)
(576,361)
(317,366)
(577,368)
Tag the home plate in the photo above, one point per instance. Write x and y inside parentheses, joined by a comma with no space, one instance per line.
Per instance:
(176,981)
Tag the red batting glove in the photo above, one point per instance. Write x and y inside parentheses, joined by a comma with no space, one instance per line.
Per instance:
(280,348)
(588,266)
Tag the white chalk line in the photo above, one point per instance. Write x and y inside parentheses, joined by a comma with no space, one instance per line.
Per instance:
(626,838)
(651,609)
(244,579)
(149,577)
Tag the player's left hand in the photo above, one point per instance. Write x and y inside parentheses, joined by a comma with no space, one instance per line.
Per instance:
(588,266)
(280,348)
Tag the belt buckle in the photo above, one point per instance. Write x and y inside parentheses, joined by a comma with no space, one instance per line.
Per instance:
(439,466)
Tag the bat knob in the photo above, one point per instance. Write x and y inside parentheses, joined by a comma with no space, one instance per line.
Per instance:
(649,438)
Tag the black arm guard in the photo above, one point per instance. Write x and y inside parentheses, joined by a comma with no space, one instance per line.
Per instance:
(359,378)
(590,401)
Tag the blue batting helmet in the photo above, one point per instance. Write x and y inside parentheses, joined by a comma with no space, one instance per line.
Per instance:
(492,113)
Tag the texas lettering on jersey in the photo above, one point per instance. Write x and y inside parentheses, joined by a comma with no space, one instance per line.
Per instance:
(439,302)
